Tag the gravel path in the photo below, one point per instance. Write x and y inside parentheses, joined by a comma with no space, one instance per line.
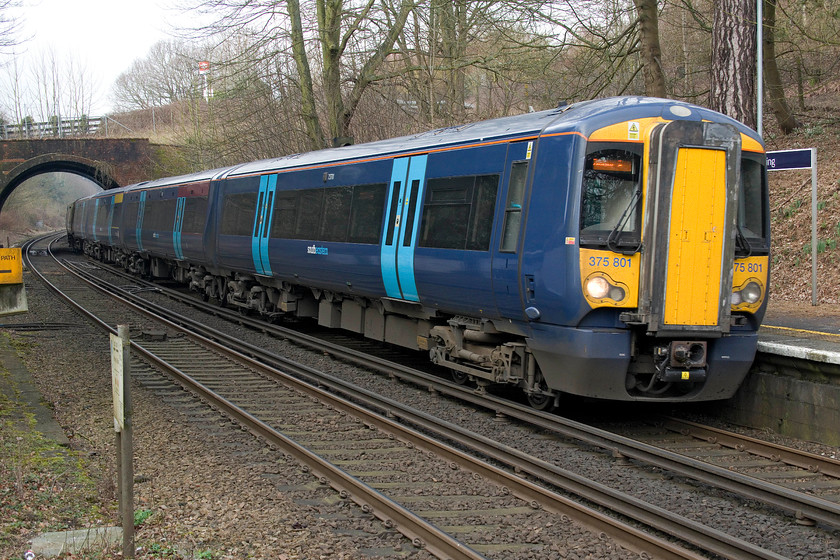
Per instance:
(263,508)
(244,504)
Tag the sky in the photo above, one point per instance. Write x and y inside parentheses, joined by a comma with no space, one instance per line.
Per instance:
(103,36)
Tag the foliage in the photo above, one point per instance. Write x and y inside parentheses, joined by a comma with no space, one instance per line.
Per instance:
(43,487)
(141,515)
(40,203)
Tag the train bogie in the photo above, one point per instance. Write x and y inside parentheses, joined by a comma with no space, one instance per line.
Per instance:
(614,249)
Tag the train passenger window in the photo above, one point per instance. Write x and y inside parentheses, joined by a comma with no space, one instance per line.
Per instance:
(114,219)
(751,211)
(336,219)
(195,214)
(341,214)
(151,216)
(392,220)
(412,210)
(309,214)
(484,207)
(366,215)
(513,207)
(103,212)
(268,204)
(444,224)
(238,213)
(130,214)
(458,213)
(285,214)
(160,215)
(611,208)
(258,222)
(79,217)
(86,219)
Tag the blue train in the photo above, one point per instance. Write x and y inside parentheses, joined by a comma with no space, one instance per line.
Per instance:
(616,248)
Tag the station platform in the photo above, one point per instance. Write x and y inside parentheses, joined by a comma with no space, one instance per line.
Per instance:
(801,330)
(793,388)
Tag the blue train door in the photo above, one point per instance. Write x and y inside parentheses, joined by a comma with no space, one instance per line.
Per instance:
(403,221)
(111,219)
(509,283)
(141,211)
(176,229)
(95,216)
(262,224)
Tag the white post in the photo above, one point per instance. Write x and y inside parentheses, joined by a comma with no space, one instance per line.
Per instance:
(814,226)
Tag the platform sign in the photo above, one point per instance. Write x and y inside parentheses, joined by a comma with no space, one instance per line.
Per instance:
(791,159)
(12,291)
(786,160)
(11,266)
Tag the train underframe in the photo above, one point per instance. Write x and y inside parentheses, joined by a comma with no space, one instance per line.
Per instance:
(473,349)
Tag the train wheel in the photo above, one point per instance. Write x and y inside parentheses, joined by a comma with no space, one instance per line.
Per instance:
(460,377)
(541,401)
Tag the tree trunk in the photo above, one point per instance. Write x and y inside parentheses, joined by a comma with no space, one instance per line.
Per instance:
(307,91)
(329,29)
(733,90)
(651,51)
(367,74)
(775,91)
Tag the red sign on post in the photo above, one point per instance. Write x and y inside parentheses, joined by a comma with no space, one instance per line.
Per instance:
(203,67)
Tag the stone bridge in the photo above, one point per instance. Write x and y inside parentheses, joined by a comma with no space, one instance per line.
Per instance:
(110,162)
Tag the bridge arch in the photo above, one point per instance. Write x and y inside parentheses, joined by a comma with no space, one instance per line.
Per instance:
(96,171)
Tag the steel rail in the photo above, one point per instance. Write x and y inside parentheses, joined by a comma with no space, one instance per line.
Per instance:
(419,531)
(657,518)
(739,442)
(798,504)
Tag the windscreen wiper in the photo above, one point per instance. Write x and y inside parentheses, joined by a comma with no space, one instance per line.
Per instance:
(615,234)
(741,241)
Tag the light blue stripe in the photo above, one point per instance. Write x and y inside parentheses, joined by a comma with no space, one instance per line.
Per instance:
(95,214)
(388,251)
(256,227)
(111,220)
(405,254)
(178,226)
(268,213)
(141,211)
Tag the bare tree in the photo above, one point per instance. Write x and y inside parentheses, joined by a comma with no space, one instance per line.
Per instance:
(733,60)
(338,48)
(651,51)
(775,89)
(169,73)
(9,26)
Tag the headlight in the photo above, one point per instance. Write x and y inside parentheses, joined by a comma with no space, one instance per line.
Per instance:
(749,293)
(597,287)
(600,287)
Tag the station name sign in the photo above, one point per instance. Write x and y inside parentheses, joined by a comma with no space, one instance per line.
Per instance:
(791,159)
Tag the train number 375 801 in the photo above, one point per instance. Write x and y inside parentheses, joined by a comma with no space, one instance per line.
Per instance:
(748,267)
(614,262)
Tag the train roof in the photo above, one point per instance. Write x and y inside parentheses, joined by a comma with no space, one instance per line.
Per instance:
(583,117)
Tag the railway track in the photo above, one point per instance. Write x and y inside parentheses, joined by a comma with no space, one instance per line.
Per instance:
(803,485)
(694,533)
(794,469)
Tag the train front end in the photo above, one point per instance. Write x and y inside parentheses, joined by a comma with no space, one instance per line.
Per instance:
(674,251)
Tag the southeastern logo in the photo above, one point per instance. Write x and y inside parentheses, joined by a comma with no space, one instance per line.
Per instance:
(313,250)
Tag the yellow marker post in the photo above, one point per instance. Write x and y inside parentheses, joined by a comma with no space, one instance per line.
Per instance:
(12,291)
